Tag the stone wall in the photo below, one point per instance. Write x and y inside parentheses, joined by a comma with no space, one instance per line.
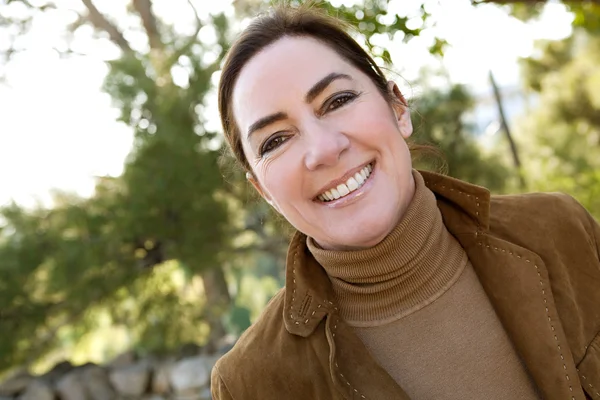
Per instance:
(125,378)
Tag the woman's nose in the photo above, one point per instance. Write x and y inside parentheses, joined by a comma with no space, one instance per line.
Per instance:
(325,146)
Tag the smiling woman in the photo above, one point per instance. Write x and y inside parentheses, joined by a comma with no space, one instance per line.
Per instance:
(400,284)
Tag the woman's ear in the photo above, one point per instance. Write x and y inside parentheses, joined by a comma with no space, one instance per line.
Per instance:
(401,110)
(260,190)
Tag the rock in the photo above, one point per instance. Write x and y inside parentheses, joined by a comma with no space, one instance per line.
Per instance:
(130,381)
(205,394)
(71,387)
(190,373)
(122,360)
(37,390)
(190,394)
(160,377)
(57,372)
(210,361)
(15,384)
(97,385)
(153,397)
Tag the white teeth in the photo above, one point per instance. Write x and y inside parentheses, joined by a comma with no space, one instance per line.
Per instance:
(359,179)
(343,189)
(353,183)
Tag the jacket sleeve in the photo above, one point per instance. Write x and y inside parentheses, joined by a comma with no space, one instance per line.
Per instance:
(218,389)
(591,226)
(595,234)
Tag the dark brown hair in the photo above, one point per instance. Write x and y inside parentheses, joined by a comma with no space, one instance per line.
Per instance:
(286,21)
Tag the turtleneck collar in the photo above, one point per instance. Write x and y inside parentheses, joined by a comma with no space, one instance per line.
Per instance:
(414,265)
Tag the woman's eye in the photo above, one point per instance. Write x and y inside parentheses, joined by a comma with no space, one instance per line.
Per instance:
(339,101)
(271,144)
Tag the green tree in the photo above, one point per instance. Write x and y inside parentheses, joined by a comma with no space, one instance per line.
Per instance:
(439,119)
(165,206)
(563,132)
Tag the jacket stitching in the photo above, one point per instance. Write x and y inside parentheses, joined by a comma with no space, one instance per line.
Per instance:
(583,376)
(589,384)
(319,305)
(338,368)
(586,347)
(467,195)
(305,305)
(545,305)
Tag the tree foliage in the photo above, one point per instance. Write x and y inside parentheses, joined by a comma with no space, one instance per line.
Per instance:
(84,254)
(440,119)
(563,132)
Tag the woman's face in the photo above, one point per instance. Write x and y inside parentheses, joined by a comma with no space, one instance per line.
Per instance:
(326,149)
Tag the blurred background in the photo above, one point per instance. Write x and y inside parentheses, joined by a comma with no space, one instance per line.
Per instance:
(122,229)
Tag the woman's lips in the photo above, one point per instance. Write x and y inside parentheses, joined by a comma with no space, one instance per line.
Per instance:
(355,194)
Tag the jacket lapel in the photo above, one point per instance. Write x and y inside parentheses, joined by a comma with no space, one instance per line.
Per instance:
(354,371)
(516,282)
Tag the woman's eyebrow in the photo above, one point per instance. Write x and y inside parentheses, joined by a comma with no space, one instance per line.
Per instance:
(266,121)
(322,85)
(314,91)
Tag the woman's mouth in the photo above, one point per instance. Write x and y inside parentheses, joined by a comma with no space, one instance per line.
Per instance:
(344,189)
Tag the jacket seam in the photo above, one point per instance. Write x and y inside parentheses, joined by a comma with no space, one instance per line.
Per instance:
(543,291)
(223,382)
(335,324)
(319,305)
(473,197)
(593,223)
(586,347)
(590,385)
(468,195)
(596,337)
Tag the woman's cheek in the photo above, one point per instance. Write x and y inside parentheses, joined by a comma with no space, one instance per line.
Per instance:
(271,174)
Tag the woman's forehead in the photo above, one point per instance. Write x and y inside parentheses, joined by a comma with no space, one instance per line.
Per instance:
(285,69)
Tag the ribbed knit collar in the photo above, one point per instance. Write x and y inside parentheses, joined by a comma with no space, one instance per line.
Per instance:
(414,265)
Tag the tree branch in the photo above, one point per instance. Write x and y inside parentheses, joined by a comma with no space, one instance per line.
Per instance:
(100,22)
(191,40)
(144,9)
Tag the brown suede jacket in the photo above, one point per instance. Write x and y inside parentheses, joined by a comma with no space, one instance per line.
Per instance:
(537,257)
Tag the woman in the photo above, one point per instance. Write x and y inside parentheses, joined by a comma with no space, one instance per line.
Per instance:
(400,284)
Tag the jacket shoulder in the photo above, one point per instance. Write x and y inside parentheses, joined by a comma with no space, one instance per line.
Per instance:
(537,218)
(565,237)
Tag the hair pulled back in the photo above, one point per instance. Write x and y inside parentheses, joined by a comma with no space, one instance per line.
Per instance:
(286,21)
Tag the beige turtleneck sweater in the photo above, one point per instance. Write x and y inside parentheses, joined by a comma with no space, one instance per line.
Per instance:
(417,305)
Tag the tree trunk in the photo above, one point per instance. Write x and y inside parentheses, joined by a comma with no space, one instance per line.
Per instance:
(218,302)
(505,128)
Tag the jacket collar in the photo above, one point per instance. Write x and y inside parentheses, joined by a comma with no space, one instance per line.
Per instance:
(309,296)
